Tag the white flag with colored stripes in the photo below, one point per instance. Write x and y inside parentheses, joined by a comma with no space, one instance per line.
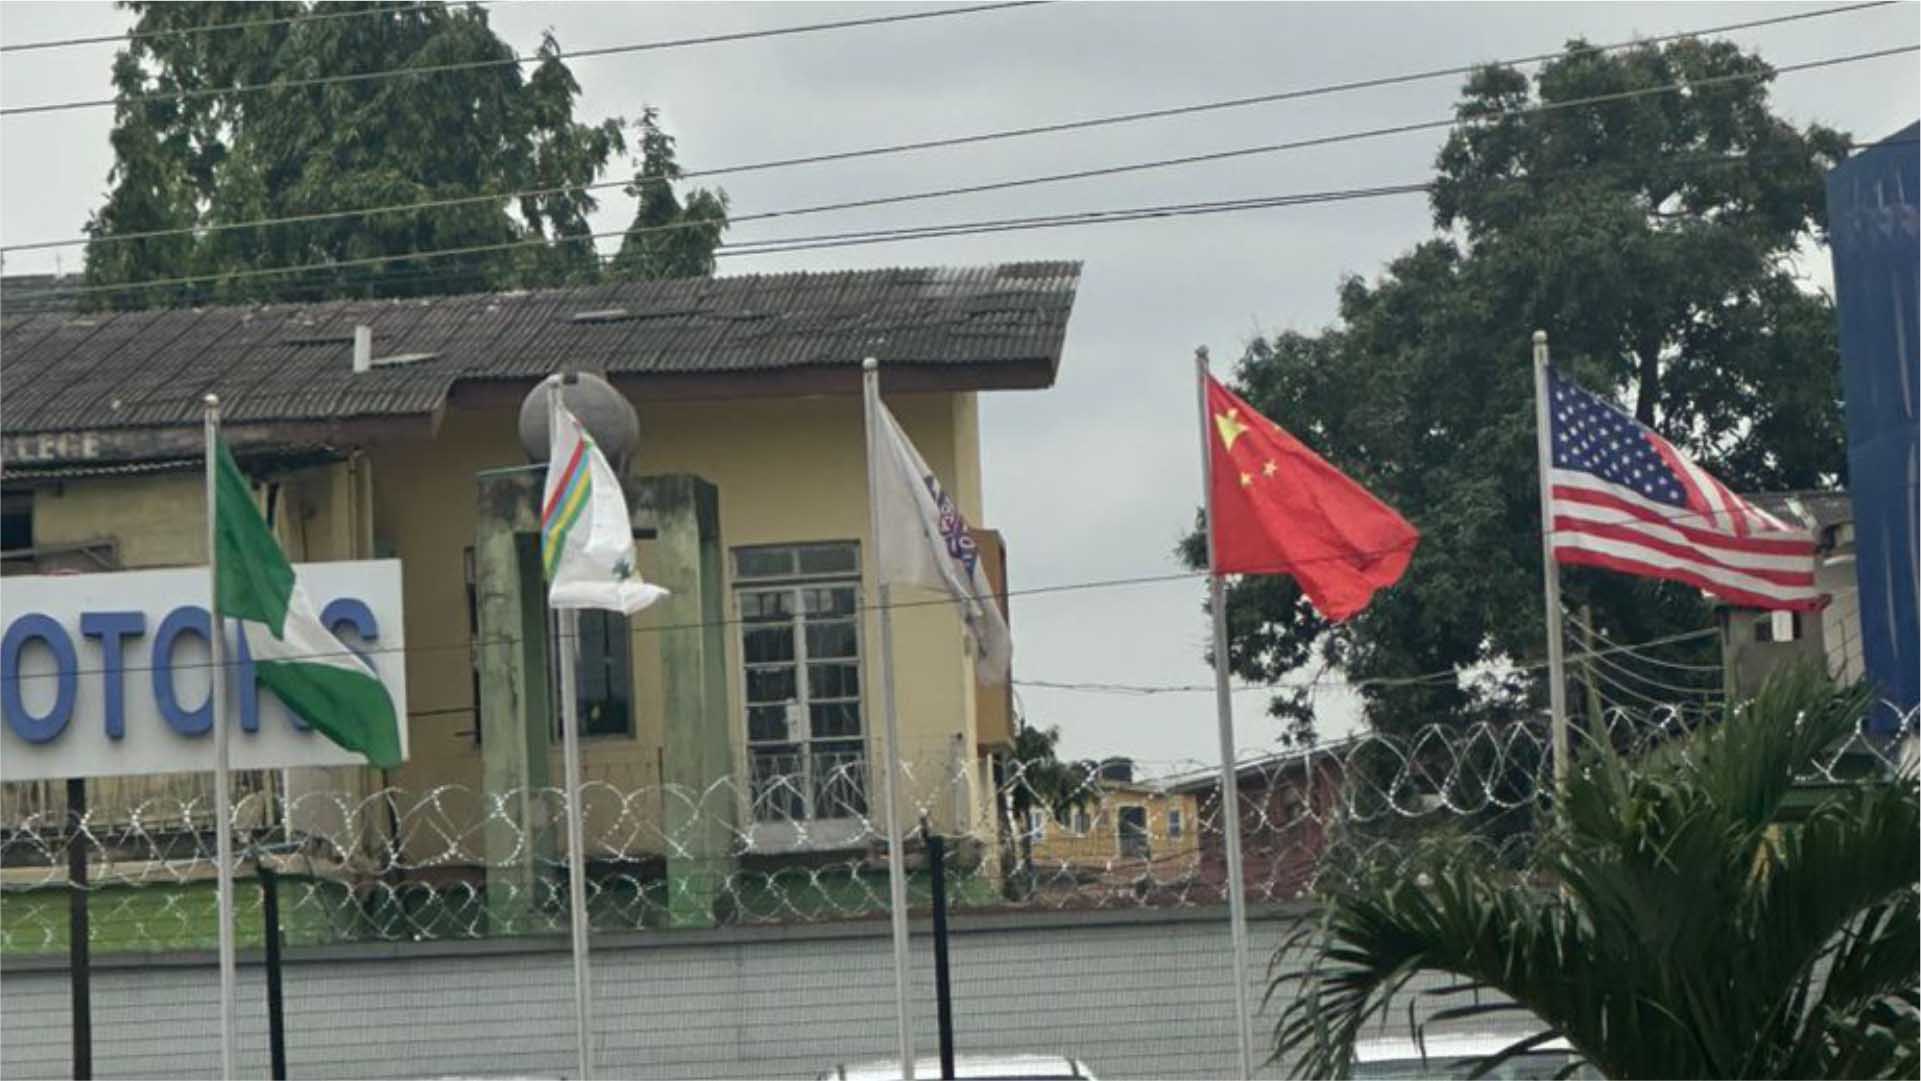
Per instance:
(586,537)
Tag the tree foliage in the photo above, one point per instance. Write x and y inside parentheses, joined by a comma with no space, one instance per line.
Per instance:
(1671,926)
(668,239)
(192,149)
(1039,781)
(1650,236)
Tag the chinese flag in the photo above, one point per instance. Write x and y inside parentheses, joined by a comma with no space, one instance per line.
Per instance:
(1279,509)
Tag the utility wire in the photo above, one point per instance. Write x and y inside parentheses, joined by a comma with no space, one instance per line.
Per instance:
(897,148)
(517,59)
(777,244)
(1428,679)
(291,20)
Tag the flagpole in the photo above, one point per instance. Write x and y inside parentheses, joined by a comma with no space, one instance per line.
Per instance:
(569,626)
(1230,804)
(1550,570)
(896,868)
(222,733)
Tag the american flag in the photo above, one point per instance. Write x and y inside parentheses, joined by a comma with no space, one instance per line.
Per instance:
(1625,499)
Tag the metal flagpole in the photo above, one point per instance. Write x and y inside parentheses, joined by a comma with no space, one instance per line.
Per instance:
(896,867)
(576,845)
(1550,570)
(1230,804)
(222,733)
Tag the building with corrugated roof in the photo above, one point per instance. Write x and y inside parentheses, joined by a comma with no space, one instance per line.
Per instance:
(750,383)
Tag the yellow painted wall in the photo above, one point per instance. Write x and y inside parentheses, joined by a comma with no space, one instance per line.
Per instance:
(788,471)
(159,520)
(1099,847)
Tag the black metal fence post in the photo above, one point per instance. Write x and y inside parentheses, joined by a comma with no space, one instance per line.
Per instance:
(276,1013)
(79,953)
(943,990)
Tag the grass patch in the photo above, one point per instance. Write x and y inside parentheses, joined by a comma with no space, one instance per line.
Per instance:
(182,916)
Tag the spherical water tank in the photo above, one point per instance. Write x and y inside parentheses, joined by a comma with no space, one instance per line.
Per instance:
(607,416)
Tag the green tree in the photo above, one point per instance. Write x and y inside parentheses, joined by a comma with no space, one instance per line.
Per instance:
(1651,236)
(1038,781)
(1671,926)
(221,155)
(668,239)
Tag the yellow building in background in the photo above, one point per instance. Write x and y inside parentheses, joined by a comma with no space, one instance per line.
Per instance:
(1126,830)
(371,451)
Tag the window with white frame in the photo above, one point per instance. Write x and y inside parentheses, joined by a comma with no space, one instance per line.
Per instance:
(799,609)
(1131,825)
(1036,824)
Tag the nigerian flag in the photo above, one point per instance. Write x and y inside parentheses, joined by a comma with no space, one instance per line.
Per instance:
(310,670)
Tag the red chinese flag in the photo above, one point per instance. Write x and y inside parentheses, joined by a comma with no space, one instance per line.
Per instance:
(1279,509)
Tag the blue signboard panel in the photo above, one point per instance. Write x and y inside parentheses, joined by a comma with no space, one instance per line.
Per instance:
(1876,231)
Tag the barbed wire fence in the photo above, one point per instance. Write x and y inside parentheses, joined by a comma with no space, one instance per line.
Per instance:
(459,863)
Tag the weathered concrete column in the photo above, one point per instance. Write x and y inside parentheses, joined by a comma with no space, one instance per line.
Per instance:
(515,707)
(697,759)
(682,515)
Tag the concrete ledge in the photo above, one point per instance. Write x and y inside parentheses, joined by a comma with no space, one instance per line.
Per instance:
(960,924)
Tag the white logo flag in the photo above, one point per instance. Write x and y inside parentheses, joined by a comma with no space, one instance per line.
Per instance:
(928,544)
(586,537)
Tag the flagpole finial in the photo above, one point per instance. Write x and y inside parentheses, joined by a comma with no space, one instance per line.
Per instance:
(870,364)
(1540,337)
(1201,352)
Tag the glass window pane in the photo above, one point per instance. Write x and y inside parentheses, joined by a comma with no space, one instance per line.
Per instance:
(834,719)
(827,559)
(766,723)
(603,673)
(771,684)
(833,681)
(763,562)
(829,601)
(832,640)
(840,780)
(778,782)
(762,606)
(761,645)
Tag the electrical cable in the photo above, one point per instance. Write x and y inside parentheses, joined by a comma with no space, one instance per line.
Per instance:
(953,141)
(515,60)
(809,243)
(291,20)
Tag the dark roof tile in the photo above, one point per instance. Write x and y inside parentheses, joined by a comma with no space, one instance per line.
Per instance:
(293,362)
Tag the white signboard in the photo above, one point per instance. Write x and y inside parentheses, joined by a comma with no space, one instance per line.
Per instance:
(108,674)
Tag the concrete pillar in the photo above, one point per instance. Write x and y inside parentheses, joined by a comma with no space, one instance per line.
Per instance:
(515,704)
(682,514)
(697,759)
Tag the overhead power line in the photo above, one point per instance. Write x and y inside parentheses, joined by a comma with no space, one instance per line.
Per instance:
(928,144)
(183,31)
(996,225)
(780,245)
(1426,679)
(475,65)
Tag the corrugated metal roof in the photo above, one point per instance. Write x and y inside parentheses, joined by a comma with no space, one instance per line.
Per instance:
(285,457)
(285,363)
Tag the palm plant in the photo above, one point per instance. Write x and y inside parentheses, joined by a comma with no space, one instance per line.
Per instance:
(1669,924)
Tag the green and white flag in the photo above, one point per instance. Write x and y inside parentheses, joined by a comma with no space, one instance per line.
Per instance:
(305,666)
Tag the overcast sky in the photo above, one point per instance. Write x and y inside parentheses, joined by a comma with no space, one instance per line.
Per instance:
(1097,477)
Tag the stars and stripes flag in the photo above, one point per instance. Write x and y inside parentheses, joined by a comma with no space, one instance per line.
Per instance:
(1625,499)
